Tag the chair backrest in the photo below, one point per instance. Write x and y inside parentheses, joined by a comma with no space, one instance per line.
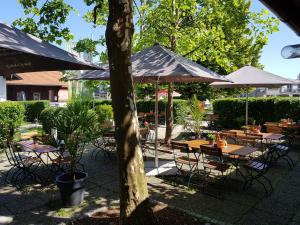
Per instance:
(109,135)
(150,136)
(211,151)
(179,146)
(228,135)
(176,145)
(273,128)
(12,155)
(249,139)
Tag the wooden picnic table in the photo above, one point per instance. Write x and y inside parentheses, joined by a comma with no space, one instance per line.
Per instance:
(267,136)
(231,149)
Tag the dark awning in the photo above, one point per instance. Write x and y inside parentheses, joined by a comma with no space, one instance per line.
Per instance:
(288,11)
(160,64)
(21,52)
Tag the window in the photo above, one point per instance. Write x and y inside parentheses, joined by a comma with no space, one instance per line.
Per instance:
(36,96)
(21,96)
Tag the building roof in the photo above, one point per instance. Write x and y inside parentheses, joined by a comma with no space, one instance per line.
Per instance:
(48,78)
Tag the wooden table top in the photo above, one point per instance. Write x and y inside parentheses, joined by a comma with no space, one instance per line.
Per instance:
(197,143)
(231,149)
(30,146)
(282,125)
(270,136)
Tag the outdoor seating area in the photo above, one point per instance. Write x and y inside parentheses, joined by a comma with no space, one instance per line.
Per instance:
(240,173)
(149,113)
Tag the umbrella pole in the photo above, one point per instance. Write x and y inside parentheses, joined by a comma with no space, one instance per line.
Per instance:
(247,105)
(156,124)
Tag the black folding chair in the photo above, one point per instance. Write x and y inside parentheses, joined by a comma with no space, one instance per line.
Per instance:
(256,169)
(282,150)
(25,165)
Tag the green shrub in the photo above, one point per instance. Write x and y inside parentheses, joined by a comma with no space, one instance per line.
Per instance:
(104,112)
(33,109)
(231,111)
(180,108)
(48,118)
(11,117)
(77,125)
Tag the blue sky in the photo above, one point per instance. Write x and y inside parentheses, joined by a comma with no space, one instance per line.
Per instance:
(271,57)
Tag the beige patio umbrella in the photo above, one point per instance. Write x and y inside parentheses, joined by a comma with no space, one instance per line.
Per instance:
(160,65)
(21,52)
(249,76)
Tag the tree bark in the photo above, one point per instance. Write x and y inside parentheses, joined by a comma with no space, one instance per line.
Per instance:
(134,200)
(169,115)
(169,108)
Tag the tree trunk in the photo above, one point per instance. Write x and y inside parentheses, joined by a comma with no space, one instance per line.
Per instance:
(134,199)
(169,108)
(169,115)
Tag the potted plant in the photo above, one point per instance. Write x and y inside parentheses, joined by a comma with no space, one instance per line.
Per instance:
(197,114)
(211,138)
(77,125)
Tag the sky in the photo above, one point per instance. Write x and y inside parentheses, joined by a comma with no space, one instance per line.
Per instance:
(271,56)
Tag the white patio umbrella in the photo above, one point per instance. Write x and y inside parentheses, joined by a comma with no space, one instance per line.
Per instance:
(249,76)
(160,65)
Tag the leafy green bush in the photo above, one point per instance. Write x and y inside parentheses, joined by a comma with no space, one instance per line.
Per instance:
(11,117)
(48,118)
(180,108)
(196,116)
(104,112)
(33,109)
(77,125)
(231,111)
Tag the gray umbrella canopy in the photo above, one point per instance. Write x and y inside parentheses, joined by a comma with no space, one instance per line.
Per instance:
(21,52)
(158,64)
(249,76)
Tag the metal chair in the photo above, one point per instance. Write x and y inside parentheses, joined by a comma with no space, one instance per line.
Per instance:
(282,150)
(105,144)
(186,165)
(25,164)
(257,168)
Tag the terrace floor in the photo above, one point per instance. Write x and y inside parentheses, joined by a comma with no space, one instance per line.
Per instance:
(41,205)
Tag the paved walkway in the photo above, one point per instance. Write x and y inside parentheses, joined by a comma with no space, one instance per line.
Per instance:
(40,205)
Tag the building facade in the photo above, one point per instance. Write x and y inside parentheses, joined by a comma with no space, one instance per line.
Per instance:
(37,86)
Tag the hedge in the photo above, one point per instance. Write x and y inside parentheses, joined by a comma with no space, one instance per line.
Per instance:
(33,109)
(147,106)
(47,118)
(231,111)
(11,117)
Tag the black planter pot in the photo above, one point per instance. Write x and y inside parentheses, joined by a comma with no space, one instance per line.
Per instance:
(71,191)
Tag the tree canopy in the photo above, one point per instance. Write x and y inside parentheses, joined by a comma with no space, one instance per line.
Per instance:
(222,35)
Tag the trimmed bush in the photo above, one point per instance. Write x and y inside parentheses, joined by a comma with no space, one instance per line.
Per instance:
(232,110)
(48,118)
(180,107)
(11,117)
(33,109)
(104,112)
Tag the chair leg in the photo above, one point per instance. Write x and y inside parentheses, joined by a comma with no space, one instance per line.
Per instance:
(270,183)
